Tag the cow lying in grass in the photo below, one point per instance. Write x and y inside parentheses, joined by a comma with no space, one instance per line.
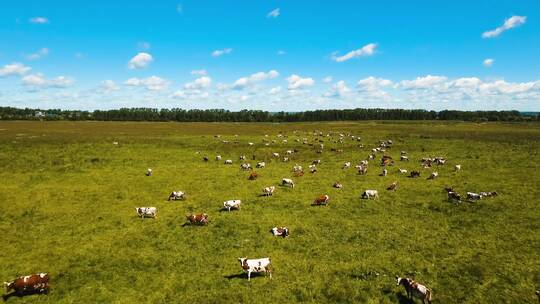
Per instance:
(415,289)
(198,219)
(146,212)
(177,195)
(338,185)
(280,231)
(256,266)
(321,200)
(35,283)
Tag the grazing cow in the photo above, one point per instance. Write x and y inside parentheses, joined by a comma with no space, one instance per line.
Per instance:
(285,159)
(346,165)
(242,157)
(148,172)
(261,165)
(362,170)
(205,159)
(280,231)
(176,196)
(402,171)
(312,168)
(393,186)
(146,212)
(245,166)
(370,194)
(471,196)
(287,182)
(268,191)
(338,185)
(457,167)
(198,219)
(218,157)
(253,176)
(276,155)
(321,200)
(415,289)
(316,162)
(228,162)
(384,172)
(232,204)
(29,284)
(289,152)
(404,158)
(256,266)
(433,175)
(414,174)
(454,196)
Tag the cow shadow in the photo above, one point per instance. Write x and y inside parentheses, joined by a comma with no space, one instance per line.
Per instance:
(6,297)
(403,299)
(236,276)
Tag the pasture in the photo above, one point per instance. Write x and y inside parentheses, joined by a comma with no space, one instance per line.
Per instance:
(68,198)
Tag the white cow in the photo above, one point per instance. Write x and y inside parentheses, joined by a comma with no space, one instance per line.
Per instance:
(297,168)
(473,196)
(256,266)
(245,166)
(250,143)
(268,191)
(404,158)
(232,204)
(276,155)
(228,162)
(384,172)
(457,167)
(289,152)
(312,168)
(146,211)
(148,172)
(402,170)
(261,165)
(287,182)
(218,157)
(370,194)
(346,165)
(433,175)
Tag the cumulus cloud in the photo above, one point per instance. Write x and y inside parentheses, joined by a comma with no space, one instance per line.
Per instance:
(274,90)
(488,62)
(297,82)
(61,82)
(273,14)
(34,80)
(39,20)
(152,83)
(372,83)
(199,72)
(244,82)
(199,83)
(366,50)
(509,23)
(425,82)
(339,89)
(108,86)
(190,94)
(140,61)
(39,54)
(14,69)
(38,80)
(221,52)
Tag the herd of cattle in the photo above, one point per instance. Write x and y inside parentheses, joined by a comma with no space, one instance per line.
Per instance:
(39,283)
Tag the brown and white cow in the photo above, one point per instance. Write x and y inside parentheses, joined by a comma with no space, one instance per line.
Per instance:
(321,200)
(338,185)
(198,219)
(415,289)
(177,195)
(256,266)
(393,186)
(280,231)
(253,176)
(29,284)
(146,212)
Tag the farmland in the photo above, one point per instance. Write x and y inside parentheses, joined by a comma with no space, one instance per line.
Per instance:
(68,197)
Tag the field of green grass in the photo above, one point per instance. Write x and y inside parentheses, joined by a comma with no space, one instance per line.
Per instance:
(68,195)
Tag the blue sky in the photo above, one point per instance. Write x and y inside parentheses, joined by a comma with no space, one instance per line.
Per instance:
(271,55)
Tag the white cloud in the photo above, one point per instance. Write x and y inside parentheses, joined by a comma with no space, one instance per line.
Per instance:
(243,82)
(274,13)
(61,82)
(425,82)
(39,20)
(327,79)
(152,83)
(34,80)
(509,23)
(140,61)
(274,90)
(297,82)
(372,83)
(218,53)
(38,80)
(190,94)
(339,89)
(489,62)
(199,72)
(108,86)
(199,83)
(39,54)
(143,45)
(14,69)
(366,50)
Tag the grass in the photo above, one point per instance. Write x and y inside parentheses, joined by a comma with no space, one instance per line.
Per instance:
(68,197)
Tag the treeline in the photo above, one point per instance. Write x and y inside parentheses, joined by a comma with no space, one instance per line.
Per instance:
(217,115)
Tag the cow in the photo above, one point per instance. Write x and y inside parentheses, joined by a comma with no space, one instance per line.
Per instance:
(454,196)
(402,171)
(34,283)
(457,168)
(146,212)
(471,196)
(414,174)
(253,176)
(285,159)
(316,162)
(228,162)
(370,194)
(218,157)
(176,196)
(287,182)
(346,165)
(393,186)
(384,172)
(321,200)
(404,158)
(276,155)
(289,152)
(362,170)
(245,166)
(205,158)
(261,165)
(538,295)
(268,191)
(242,157)
(312,168)
(387,161)
(256,266)
(280,231)
(338,185)
(364,163)
(297,168)
(148,172)
(250,143)
(415,289)
(433,175)
(488,194)
(198,219)
(232,204)
(440,161)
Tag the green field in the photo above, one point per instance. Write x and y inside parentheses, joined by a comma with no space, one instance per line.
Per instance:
(68,197)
